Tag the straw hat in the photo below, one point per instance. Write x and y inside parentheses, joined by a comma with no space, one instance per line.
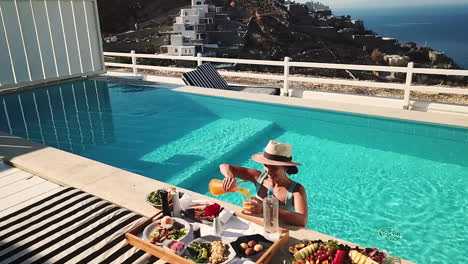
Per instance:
(277,154)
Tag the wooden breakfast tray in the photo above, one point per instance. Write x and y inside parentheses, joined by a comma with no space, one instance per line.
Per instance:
(166,255)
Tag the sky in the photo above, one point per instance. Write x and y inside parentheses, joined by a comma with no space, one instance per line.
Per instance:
(385,3)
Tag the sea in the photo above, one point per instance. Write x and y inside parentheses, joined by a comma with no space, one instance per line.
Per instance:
(443,28)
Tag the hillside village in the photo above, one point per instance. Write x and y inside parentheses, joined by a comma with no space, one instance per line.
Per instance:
(262,29)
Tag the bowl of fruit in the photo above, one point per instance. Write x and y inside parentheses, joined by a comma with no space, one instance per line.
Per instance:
(331,252)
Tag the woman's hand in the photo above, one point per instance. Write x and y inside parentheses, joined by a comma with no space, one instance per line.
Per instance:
(254,206)
(228,183)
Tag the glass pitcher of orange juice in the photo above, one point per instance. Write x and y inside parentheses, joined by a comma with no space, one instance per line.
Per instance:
(216,188)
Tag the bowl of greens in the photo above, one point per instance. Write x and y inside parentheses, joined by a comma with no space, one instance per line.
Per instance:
(154,198)
(209,249)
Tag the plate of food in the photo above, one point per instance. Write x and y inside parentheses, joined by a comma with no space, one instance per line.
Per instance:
(203,211)
(251,247)
(332,252)
(210,250)
(176,247)
(166,228)
(154,198)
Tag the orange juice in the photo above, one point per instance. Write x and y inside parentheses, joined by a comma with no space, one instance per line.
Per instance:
(247,206)
(216,188)
(243,191)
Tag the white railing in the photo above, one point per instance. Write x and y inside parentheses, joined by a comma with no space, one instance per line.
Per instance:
(286,77)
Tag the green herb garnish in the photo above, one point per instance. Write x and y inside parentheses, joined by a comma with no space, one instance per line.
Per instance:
(200,252)
(154,198)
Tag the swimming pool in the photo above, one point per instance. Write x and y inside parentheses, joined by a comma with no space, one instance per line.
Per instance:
(386,183)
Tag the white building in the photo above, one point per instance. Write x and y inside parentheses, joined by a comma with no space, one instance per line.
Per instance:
(317,7)
(435,56)
(189,27)
(180,46)
(396,60)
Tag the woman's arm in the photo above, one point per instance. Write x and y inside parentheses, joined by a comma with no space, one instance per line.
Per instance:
(297,218)
(300,216)
(231,172)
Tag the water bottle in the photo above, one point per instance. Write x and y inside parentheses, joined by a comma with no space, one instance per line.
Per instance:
(176,211)
(270,213)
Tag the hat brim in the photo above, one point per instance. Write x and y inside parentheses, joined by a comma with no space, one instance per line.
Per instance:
(261,159)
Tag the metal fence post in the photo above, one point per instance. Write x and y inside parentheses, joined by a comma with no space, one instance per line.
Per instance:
(409,80)
(285,90)
(134,63)
(199,59)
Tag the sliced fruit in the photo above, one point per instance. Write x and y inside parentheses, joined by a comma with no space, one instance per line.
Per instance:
(315,247)
(292,250)
(359,258)
(309,250)
(297,256)
(305,252)
(299,246)
(363,259)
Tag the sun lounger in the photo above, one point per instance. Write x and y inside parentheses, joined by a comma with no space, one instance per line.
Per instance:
(207,76)
(217,80)
(70,226)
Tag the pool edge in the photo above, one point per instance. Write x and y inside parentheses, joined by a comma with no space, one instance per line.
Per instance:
(449,119)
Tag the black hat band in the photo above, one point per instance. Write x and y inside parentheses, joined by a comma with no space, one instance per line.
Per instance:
(276,157)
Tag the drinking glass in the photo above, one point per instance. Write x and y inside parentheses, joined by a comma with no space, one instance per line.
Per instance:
(247,206)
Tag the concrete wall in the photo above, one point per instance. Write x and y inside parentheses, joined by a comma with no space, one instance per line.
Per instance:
(48,40)
(181,50)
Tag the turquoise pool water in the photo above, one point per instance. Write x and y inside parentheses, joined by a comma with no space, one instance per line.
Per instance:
(365,176)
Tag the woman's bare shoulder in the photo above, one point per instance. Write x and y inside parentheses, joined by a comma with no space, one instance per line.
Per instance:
(299,188)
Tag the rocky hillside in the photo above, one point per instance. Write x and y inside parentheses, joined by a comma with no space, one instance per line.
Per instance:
(117,16)
(271,35)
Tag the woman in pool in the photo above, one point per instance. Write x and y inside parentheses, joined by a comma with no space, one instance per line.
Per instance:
(277,164)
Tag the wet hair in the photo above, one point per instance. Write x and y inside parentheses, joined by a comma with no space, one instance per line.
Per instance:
(292,170)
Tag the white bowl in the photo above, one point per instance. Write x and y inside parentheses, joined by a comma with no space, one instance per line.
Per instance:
(166,243)
(151,227)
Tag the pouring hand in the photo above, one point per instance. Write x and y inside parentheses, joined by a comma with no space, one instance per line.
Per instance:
(228,183)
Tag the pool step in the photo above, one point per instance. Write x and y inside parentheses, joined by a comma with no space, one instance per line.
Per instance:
(204,148)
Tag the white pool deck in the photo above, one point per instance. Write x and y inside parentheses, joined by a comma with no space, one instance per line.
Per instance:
(421,110)
(19,189)
(444,118)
